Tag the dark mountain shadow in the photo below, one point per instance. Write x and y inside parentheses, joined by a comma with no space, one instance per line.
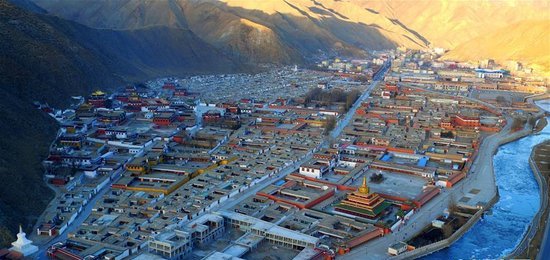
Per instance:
(48,59)
(415,33)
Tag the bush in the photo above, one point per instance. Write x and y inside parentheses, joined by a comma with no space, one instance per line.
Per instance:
(376,177)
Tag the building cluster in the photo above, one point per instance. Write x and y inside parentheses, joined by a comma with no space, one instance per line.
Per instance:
(215,167)
(401,148)
(355,68)
(264,87)
(169,159)
(342,194)
(415,68)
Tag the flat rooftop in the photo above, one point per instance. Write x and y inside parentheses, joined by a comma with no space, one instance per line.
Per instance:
(396,184)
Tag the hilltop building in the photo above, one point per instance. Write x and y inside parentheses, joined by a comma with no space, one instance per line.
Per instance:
(97,99)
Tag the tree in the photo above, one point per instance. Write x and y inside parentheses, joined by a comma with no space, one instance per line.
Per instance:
(518,123)
(400,213)
(447,230)
(376,177)
(351,97)
(500,99)
(448,134)
(311,95)
(74,169)
(330,124)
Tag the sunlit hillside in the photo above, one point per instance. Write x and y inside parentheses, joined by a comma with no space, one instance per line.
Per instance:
(290,30)
(474,30)
(527,41)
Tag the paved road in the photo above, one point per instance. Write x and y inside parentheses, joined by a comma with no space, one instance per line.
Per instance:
(349,115)
(231,202)
(545,246)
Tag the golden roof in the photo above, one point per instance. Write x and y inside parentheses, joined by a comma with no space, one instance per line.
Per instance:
(98,93)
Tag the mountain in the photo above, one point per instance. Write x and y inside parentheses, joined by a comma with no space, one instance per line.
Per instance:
(37,61)
(28,5)
(48,59)
(275,31)
(509,43)
(289,31)
(448,23)
(55,55)
(53,49)
(500,30)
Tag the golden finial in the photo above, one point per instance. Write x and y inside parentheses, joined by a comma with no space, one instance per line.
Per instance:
(364,188)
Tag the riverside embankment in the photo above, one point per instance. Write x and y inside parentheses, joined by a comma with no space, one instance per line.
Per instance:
(443,249)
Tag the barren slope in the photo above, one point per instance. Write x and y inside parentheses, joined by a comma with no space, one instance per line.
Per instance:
(291,30)
(526,41)
(448,23)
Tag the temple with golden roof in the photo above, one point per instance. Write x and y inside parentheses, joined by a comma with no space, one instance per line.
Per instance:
(97,99)
(362,203)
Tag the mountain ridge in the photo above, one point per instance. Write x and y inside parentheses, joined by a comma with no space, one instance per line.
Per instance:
(507,44)
(298,29)
(301,29)
(48,59)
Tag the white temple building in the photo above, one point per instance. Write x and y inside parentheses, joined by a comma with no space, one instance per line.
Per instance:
(23,245)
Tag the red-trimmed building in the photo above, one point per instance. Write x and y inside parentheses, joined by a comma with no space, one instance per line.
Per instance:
(180,137)
(363,204)
(390,87)
(46,229)
(212,116)
(122,98)
(169,85)
(426,195)
(97,99)
(446,124)
(466,121)
(454,179)
(134,103)
(164,118)
(111,117)
(303,194)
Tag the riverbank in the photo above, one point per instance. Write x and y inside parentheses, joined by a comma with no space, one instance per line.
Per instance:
(530,246)
(490,146)
(515,210)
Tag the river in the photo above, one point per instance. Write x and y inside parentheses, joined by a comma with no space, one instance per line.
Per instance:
(500,231)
